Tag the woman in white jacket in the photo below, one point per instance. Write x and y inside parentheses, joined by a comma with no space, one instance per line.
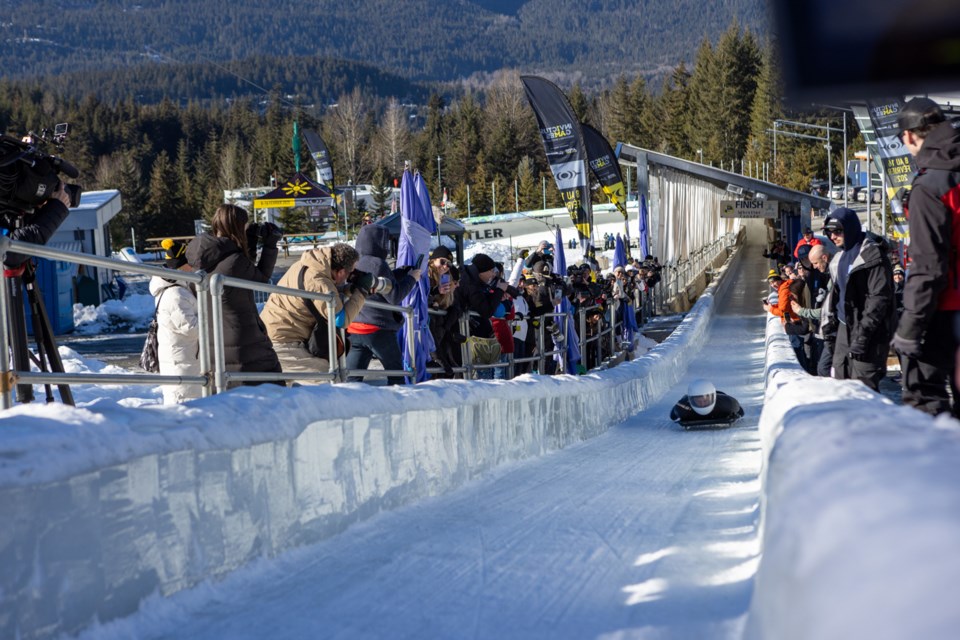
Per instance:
(178,333)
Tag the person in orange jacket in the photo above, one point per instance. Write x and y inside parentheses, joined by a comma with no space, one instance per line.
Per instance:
(807,239)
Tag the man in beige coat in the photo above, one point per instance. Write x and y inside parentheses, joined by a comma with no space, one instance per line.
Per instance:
(289,321)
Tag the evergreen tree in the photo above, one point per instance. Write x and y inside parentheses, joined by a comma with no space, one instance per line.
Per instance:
(161,215)
(381,192)
(580,104)
(295,220)
(480,194)
(703,94)
(735,69)
(765,109)
(675,110)
(529,185)
(619,109)
(466,123)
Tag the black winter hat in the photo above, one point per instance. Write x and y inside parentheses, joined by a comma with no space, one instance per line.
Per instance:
(442,252)
(483,262)
(919,113)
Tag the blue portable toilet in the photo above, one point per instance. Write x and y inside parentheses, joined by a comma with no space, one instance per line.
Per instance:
(55,281)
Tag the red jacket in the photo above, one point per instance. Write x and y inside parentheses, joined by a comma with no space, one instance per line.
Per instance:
(503,330)
(933,212)
(803,241)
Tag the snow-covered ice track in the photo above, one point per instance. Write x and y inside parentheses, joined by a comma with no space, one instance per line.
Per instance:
(642,531)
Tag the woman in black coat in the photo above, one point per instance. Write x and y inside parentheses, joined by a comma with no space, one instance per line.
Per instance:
(230,249)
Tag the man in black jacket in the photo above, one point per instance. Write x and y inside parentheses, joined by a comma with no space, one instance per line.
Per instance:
(480,291)
(862,300)
(373,333)
(925,336)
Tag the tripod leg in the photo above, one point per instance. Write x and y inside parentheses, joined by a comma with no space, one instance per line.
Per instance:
(46,345)
(18,336)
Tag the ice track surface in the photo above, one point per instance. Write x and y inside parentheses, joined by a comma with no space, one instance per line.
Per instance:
(647,531)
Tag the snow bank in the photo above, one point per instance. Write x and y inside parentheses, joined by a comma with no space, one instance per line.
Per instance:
(861,513)
(105,505)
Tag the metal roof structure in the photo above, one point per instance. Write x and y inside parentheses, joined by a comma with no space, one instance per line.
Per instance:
(739,185)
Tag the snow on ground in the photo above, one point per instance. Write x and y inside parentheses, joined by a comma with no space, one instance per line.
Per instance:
(862,512)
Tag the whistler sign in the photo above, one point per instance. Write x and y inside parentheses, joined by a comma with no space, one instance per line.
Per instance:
(748,208)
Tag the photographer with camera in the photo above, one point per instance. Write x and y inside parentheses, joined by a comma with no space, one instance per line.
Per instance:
(481,291)
(230,249)
(290,320)
(373,334)
(34,201)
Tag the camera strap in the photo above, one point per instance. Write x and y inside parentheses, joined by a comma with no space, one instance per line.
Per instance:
(306,301)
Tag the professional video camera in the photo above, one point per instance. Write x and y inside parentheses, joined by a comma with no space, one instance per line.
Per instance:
(28,175)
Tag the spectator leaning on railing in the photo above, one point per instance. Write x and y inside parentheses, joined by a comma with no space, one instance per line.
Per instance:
(290,321)
(862,301)
(824,332)
(373,333)
(480,291)
(230,249)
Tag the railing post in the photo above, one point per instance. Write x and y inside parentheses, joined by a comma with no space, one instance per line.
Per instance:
(465,356)
(333,362)
(219,355)
(412,337)
(542,365)
(582,322)
(203,331)
(613,326)
(6,377)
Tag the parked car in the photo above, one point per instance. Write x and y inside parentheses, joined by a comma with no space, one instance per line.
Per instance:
(852,192)
(837,192)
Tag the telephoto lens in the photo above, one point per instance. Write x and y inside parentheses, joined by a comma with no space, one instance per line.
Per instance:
(382,286)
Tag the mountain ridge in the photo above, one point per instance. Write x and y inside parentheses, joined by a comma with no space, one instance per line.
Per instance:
(420,40)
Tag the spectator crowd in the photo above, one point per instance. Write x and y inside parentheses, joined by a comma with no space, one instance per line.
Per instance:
(508,319)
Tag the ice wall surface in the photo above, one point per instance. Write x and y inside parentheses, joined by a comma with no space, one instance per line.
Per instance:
(106,505)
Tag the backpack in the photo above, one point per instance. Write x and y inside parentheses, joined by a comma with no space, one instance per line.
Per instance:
(149,357)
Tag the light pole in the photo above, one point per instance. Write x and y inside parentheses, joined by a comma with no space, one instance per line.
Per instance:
(846,177)
(700,153)
(440,187)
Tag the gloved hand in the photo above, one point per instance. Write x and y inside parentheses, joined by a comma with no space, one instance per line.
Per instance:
(905,346)
(270,233)
(253,235)
(362,281)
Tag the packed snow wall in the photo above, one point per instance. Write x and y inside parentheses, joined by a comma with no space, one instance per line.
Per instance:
(116,504)
(861,513)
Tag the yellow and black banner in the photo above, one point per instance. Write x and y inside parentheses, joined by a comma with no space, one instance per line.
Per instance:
(897,163)
(604,165)
(563,143)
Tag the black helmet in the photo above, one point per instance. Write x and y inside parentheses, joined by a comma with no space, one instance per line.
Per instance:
(919,113)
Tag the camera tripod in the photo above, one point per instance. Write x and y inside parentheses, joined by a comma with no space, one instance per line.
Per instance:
(47,358)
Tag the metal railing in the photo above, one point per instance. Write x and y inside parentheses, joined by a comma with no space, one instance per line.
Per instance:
(214,376)
(677,276)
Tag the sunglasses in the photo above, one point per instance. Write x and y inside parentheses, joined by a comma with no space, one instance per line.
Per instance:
(443,262)
(834,232)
